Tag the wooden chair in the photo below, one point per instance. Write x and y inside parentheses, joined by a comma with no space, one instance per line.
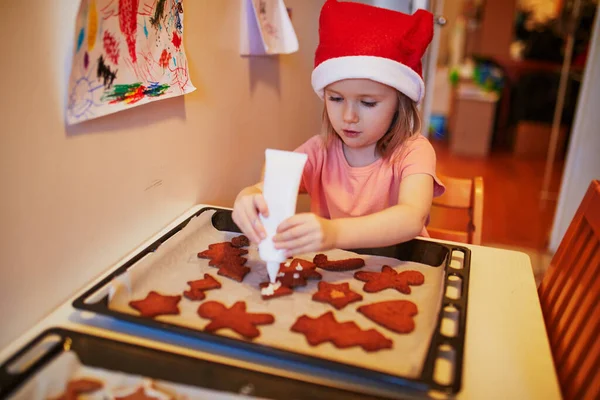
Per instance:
(570,300)
(457,215)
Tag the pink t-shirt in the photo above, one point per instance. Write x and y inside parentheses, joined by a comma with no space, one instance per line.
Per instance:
(338,190)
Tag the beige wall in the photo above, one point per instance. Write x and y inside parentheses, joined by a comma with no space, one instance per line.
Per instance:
(76,200)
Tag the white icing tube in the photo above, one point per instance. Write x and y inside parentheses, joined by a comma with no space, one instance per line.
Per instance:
(283,171)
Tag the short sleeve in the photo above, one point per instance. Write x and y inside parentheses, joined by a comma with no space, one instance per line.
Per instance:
(419,158)
(314,149)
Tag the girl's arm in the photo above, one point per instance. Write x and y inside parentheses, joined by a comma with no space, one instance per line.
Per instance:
(393,225)
(307,232)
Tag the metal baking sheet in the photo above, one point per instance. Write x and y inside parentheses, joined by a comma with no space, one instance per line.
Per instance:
(436,256)
(42,368)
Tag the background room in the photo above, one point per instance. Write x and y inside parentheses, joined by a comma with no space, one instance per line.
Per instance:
(76,199)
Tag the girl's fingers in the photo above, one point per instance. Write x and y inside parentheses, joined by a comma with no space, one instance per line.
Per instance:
(308,248)
(245,215)
(261,205)
(294,220)
(290,234)
(259,228)
(294,243)
(248,227)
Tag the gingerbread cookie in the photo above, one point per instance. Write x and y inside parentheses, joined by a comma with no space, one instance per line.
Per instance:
(389,279)
(80,386)
(139,394)
(396,315)
(156,304)
(342,334)
(219,253)
(240,241)
(198,287)
(348,264)
(338,295)
(277,289)
(297,273)
(235,318)
(231,269)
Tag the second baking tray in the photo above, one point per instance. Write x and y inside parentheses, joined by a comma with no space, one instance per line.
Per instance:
(39,369)
(444,348)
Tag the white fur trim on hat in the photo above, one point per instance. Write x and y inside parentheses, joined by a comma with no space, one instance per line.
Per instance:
(379,69)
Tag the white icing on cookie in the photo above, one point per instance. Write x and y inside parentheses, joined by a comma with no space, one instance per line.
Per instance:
(270,289)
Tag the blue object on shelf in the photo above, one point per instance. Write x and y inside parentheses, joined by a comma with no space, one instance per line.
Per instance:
(437,126)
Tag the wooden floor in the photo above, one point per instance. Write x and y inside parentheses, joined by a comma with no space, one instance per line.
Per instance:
(514,213)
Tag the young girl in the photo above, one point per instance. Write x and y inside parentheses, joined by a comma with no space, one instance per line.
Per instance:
(371,174)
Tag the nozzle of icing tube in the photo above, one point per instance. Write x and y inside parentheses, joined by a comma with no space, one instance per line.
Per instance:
(272,270)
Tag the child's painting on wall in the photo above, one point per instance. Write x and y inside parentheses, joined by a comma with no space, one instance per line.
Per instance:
(126,53)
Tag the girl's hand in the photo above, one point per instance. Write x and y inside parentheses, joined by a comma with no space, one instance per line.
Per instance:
(246,209)
(304,233)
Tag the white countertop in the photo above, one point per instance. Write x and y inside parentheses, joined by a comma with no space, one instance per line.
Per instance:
(507,354)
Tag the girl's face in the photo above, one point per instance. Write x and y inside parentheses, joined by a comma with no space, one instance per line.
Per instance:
(360,111)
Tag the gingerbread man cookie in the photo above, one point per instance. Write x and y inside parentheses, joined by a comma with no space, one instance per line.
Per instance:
(389,279)
(235,318)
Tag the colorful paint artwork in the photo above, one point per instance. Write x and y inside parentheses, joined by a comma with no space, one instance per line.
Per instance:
(126,53)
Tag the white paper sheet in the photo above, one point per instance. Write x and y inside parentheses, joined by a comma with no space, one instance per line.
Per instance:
(169,268)
(266,28)
(126,53)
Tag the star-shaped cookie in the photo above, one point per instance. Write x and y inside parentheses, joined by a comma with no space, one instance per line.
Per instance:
(235,318)
(156,304)
(389,279)
(342,334)
(338,295)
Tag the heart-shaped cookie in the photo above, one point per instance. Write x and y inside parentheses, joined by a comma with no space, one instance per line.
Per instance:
(396,315)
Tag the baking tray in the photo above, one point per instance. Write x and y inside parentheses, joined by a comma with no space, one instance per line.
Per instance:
(125,358)
(448,348)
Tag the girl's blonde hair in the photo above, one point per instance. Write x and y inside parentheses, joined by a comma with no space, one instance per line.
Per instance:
(405,124)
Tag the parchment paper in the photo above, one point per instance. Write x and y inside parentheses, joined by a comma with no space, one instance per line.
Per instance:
(53,379)
(168,269)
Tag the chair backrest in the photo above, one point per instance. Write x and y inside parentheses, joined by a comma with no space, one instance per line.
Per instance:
(570,300)
(448,222)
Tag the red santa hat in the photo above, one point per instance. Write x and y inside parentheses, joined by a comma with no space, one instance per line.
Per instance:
(361,41)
